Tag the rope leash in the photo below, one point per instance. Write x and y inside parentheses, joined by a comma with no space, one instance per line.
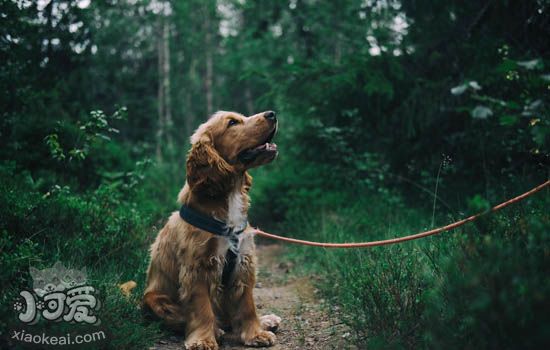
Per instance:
(405,238)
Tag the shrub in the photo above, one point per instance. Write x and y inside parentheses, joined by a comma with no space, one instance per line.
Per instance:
(481,286)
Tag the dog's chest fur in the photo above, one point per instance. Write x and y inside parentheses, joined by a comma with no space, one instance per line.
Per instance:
(236,212)
(237,205)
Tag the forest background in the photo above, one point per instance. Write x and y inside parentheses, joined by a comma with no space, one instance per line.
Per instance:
(395,116)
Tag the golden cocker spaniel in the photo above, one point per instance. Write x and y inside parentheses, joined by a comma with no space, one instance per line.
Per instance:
(202,270)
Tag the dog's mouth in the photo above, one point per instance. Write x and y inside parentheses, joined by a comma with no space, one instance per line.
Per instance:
(265,149)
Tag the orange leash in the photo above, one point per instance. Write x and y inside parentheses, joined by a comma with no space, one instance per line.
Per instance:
(405,238)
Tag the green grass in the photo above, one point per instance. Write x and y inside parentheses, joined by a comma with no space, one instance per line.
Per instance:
(481,286)
(107,230)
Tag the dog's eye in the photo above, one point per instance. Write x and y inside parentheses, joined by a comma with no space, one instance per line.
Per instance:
(232,122)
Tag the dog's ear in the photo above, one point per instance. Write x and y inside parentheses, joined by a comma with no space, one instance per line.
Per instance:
(206,169)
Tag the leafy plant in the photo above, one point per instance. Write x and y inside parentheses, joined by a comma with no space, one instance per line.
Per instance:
(96,128)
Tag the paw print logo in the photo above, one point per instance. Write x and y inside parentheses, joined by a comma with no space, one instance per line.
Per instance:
(18,306)
(40,305)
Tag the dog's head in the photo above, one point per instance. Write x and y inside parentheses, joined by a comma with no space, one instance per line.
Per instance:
(230,143)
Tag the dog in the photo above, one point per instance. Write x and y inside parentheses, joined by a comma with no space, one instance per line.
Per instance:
(203,265)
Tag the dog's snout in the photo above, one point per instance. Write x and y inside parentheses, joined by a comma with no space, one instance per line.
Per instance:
(270,115)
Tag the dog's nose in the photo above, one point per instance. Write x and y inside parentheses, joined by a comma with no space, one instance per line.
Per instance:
(270,115)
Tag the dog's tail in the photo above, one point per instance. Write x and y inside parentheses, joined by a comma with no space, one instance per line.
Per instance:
(163,307)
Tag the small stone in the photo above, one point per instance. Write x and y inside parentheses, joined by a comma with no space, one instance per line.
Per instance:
(259,285)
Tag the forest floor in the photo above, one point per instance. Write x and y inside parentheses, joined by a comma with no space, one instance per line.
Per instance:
(307,322)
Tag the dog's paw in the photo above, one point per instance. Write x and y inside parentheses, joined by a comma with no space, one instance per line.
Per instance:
(260,339)
(270,322)
(204,344)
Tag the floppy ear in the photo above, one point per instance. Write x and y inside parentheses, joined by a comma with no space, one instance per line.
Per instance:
(206,169)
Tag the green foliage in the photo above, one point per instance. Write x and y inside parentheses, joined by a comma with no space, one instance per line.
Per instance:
(103,230)
(491,292)
(477,287)
(93,130)
(525,113)
(478,204)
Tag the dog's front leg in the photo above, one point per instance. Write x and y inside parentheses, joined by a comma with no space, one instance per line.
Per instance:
(244,318)
(248,324)
(200,320)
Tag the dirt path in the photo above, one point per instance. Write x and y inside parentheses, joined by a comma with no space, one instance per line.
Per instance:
(306,323)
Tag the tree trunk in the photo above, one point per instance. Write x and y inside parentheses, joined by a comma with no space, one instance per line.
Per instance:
(160,94)
(306,36)
(165,122)
(209,75)
(190,115)
(50,29)
(168,122)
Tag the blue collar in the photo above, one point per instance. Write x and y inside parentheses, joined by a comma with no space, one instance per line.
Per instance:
(208,223)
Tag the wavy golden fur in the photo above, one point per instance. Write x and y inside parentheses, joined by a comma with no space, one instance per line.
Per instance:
(184,276)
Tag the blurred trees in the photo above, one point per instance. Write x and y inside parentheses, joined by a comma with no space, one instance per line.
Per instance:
(354,81)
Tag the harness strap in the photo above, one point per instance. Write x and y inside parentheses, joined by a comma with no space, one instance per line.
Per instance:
(218,228)
(230,260)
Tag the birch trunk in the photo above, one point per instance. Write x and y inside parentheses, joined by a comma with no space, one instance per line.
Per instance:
(160,96)
(168,122)
(190,116)
(165,122)
(209,76)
